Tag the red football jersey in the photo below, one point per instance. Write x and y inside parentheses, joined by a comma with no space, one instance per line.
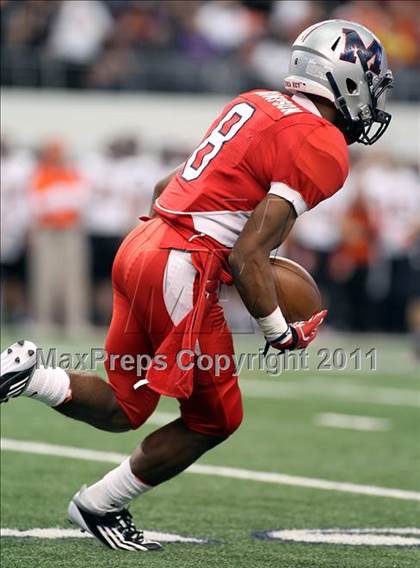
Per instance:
(263,142)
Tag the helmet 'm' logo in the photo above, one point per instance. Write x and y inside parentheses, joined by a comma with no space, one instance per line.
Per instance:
(353,43)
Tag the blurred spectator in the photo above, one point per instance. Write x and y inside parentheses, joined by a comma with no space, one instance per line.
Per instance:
(392,193)
(77,34)
(58,248)
(16,167)
(225,24)
(121,182)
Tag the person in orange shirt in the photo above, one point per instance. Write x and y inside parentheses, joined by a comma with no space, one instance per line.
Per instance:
(57,195)
(57,190)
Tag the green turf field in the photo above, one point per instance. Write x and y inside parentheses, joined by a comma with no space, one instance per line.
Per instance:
(282,433)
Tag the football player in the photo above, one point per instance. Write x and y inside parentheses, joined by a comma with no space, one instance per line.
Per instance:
(264,161)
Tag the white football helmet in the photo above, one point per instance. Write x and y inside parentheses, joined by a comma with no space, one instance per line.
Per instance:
(345,63)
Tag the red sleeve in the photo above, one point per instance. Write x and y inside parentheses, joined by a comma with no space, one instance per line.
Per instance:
(317,168)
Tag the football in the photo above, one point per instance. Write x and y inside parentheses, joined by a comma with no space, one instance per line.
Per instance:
(297,292)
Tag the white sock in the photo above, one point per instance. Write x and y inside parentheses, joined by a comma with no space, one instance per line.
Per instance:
(114,491)
(50,385)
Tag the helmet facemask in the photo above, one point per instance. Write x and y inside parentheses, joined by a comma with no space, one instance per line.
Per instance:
(359,129)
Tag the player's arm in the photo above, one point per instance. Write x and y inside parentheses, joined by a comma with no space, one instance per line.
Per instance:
(266,229)
(161,185)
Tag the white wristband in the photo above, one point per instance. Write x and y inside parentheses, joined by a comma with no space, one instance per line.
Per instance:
(273,325)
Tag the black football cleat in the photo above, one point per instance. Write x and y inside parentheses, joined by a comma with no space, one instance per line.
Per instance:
(115,530)
(17,366)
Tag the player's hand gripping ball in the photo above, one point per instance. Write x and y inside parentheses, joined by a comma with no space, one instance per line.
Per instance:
(300,301)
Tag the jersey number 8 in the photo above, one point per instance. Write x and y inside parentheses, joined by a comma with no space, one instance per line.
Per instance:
(229,125)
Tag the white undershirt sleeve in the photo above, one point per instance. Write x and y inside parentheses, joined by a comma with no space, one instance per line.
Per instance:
(291,195)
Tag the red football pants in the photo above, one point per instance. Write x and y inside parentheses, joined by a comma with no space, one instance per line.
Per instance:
(154,289)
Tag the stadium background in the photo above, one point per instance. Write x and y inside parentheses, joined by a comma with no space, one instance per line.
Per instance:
(100,99)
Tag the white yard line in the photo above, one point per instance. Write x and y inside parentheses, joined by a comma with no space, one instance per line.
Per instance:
(347,392)
(212,470)
(352,422)
(54,533)
(350,537)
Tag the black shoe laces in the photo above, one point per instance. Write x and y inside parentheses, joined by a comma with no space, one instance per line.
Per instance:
(125,524)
